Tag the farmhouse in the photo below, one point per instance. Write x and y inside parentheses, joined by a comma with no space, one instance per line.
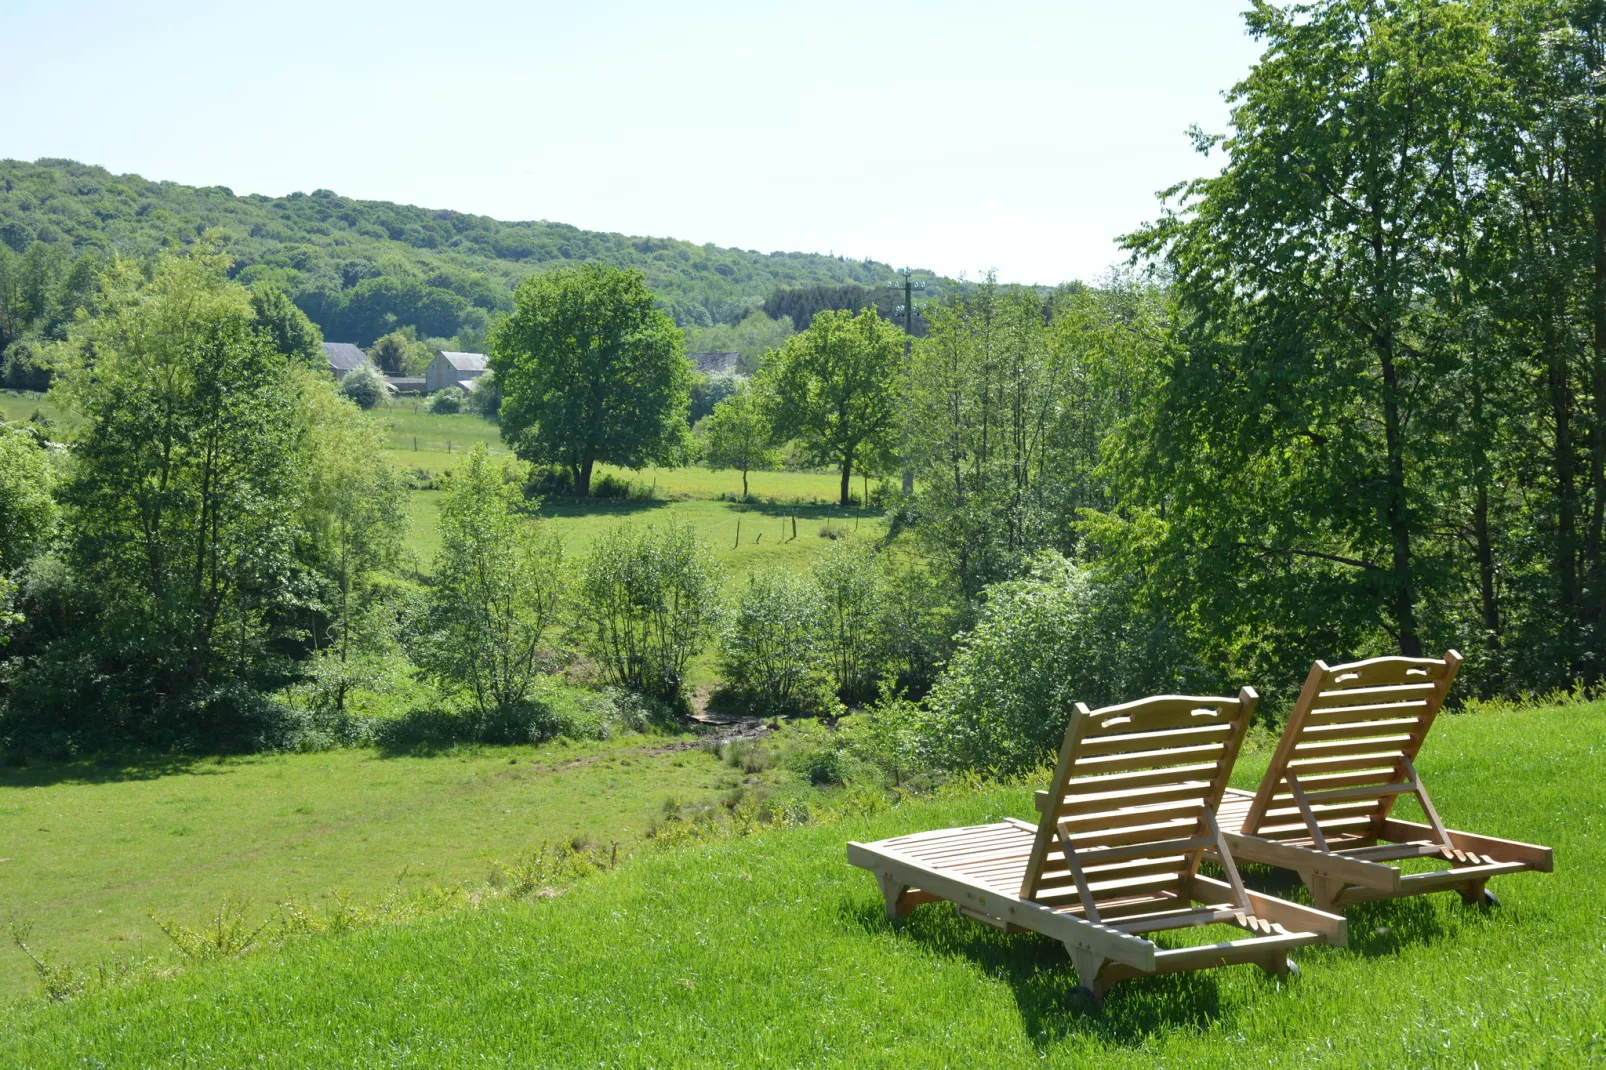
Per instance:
(343,358)
(453,369)
(715,363)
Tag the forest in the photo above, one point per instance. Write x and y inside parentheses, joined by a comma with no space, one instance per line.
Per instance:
(361,269)
(1349,397)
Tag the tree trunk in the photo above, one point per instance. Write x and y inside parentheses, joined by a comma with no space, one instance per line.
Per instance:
(1403,595)
(744,484)
(582,482)
(847,480)
(1595,609)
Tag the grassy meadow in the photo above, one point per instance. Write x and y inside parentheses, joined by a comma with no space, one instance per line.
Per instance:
(771,950)
(89,850)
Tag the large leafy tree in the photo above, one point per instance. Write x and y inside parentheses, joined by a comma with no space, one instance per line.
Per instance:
(591,370)
(836,388)
(1300,430)
(185,485)
(293,334)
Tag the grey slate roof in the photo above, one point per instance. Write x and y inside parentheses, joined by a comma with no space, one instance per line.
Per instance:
(715,363)
(344,356)
(465,362)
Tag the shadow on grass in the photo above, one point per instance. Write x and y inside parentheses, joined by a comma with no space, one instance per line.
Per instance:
(1383,927)
(1044,982)
(556,506)
(815,513)
(106,769)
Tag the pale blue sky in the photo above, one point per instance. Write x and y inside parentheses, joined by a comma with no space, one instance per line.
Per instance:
(960,137)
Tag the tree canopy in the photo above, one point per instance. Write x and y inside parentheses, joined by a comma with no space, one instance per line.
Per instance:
(591,370)
(836,388)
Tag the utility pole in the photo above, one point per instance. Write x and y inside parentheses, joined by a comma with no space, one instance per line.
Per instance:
(909,288)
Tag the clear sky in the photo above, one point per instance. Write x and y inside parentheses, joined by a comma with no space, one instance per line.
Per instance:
(1021,137)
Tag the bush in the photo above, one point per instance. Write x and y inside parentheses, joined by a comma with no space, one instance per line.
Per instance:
(774,643)
(446,402)
(649,602)
(486,397)
(851,586)
(1042,644)
(365,386)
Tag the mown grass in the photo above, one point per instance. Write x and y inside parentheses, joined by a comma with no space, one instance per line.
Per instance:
(772,951)
(88,850)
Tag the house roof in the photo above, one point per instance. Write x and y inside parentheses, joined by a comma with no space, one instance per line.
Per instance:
(465,362)
(344,355)
(715,363)
(468,385)
(405,382)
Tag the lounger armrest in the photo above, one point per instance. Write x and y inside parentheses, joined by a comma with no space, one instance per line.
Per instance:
(1289,915)
(1539,858)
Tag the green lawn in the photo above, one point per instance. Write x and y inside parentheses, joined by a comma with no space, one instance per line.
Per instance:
(772,951)
(87,851)
(17,406)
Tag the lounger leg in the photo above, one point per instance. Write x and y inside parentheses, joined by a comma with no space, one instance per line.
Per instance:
(1323,890)
(895,893)
(1476,895)
(1089,968)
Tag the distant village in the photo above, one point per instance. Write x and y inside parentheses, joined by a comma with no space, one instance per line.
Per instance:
(461,370)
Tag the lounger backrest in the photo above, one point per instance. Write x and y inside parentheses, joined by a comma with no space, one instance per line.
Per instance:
(1350,745)
(1129,793)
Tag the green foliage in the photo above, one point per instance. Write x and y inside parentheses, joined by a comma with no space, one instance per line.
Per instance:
(708,391)
(836,388)
(27,508)
(182,496)
(399,353)
(755,335)
(852,587)
(293,334)
(591,371)
(499,587)
(364,386)
(1041,645)
(740,436)
(485,400)
(361,269)
(446,402)
(773,645)
(649,603)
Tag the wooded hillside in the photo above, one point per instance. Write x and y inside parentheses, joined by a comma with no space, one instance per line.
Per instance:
(362,268)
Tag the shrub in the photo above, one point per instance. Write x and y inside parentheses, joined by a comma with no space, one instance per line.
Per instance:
(499,586)
(1040,645)
(774,643)
(365,386)
(649,602)
(486,397)
(446,402)
(851,584)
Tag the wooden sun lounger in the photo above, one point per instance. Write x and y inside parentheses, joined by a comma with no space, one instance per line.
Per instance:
(1115,855)
(1349,750)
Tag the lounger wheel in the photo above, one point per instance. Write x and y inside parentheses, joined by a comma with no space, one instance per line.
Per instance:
(1488,900)
(1293,968)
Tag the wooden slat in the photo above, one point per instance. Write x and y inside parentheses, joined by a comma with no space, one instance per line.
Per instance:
(1162,712)
(1129,817)
(1149,833)
(1367,792)
(1317,766)
(1344,748)
(1375,672)
(1361,696)
(1359,729)
(1120,763)
(1099,856)
(1115,800)
(1130,742)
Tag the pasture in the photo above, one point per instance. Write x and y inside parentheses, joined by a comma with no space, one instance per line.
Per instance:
(90,849)
(772,950)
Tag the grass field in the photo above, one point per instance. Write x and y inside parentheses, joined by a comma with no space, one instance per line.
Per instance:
(91,850)
(772,951)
